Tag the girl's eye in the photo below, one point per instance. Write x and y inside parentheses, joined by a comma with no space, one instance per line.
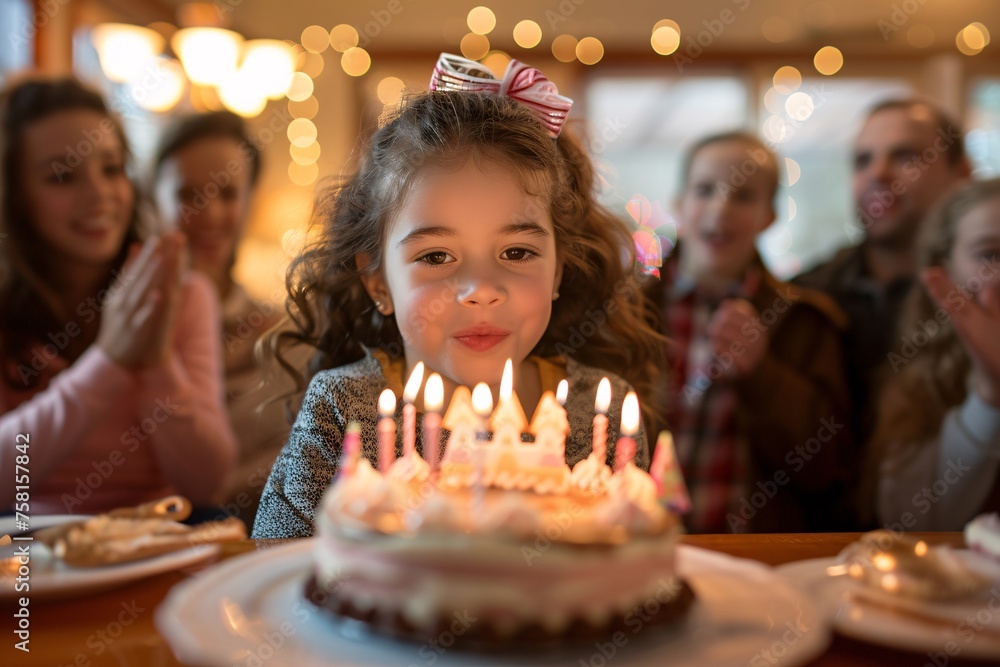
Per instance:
(114,169)
(518,254)
(436,258)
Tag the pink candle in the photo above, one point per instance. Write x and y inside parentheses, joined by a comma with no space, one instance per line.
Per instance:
(433,401)
(386,431)
(625,447)
(352,449)
(600,443)
(410,411)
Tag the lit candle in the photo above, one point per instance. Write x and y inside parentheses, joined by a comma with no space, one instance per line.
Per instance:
(386,430)
(482,403)
(508,421)
(600,444)
(433,401)
(625,448)
(562,391)
(409,410)
(666,472)
(351,449)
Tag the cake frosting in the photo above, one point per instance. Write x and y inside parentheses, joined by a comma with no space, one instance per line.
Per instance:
(983,534)
(503,532)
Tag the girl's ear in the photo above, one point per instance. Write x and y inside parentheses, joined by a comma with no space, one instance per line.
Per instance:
(375,284)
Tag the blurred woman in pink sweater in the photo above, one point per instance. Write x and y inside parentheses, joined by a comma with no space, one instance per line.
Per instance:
(111,387)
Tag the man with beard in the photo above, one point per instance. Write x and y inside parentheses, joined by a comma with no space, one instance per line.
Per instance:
(907,156)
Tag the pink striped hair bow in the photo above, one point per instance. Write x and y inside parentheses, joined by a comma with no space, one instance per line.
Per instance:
(525,84)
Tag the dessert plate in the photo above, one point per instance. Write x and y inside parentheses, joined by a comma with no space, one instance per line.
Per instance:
(251,609)
(967,628)
(50,578)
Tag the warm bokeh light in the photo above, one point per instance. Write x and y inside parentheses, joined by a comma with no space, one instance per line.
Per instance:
(292,241)
(564,48)
(242,94)
(301,132)
(167,90)
(589,50)
(305,154)
(776,29)
(475,46)
(124,50)
(209,55)
(302,174)
(343,37)
(497,62)
(315,38)
(920,36)
(356,61)
(307,108)
(793,209)
(972,39)
(667,23)
(481,20)
(828,60)
(390,90)
(272,63)
(799,106)
(301,87)
(312,64)
(787,79)
(527,34)
(773,101)
(776,129)
(665,40)
(793,171)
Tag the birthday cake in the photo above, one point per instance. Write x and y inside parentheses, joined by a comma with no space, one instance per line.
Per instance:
(501,543)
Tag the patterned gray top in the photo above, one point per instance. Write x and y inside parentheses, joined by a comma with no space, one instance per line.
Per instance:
(336,397)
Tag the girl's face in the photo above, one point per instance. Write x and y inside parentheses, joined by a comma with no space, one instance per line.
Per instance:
(470,269)
(203,190)
(79,198)
(975,256)
(722,210)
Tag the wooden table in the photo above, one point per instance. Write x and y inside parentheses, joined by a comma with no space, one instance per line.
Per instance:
(116,628)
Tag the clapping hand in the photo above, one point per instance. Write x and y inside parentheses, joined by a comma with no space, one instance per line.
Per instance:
(731,337)
(139,314)
(976,319)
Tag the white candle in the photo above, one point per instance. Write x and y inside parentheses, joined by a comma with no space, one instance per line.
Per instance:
(386,431)
(410,411)
(482,403)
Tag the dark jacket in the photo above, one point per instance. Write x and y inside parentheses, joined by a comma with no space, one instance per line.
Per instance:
(794,411)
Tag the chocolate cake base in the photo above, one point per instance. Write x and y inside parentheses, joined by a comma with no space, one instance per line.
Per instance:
(481,635)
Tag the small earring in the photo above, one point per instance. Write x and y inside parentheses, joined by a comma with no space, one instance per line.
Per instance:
(555,295)
(378,306)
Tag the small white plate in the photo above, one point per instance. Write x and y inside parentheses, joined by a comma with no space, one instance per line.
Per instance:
(252,608)
(49,578)
(965,629)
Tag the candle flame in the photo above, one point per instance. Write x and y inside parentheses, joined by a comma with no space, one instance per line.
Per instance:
(630,415)
(413,384)
(884,562)
(507,381)
(920,548)
(434,393)
(562,391)
(387,403)
(603,396)
(482,400)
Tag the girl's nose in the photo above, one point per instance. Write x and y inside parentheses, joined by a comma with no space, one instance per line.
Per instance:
(481,288)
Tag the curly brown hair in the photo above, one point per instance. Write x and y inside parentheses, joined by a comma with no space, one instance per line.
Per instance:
(332,312)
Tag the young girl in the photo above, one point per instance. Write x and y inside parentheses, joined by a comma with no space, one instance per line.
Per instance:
(205,172)
(937,444)
(468,235)
(111,378)
(759,402)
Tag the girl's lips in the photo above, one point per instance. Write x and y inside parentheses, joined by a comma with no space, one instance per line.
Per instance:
(481,339)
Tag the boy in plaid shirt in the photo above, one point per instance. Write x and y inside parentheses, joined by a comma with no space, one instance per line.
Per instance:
(759,405)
